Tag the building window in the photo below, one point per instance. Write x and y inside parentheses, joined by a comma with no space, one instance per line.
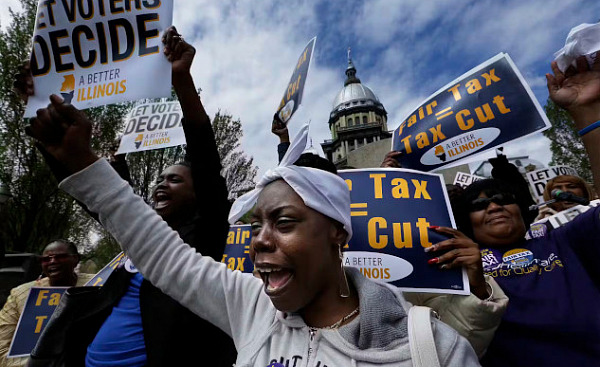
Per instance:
(350,121)
(365,120)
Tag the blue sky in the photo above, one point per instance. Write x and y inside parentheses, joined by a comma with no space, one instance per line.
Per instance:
(403,50)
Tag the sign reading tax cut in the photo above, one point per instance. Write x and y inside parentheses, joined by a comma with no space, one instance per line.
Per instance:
(484,108)
(392,210)
(152,126)
(98,52)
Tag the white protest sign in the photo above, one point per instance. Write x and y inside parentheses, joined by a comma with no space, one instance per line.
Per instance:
(543,226)
(464,179)
(152,126)
(538,179)
(98,52)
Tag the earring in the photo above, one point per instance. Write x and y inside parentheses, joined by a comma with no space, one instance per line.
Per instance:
(344,288)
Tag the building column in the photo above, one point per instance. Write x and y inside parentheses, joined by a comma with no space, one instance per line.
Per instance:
(345,148)
(365,140)
(355,144)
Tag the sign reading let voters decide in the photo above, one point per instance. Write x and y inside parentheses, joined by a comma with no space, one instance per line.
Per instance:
(392,210)
(152,126)
(484,108)
(94,53)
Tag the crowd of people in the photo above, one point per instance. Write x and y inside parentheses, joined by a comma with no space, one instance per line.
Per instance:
(532,301)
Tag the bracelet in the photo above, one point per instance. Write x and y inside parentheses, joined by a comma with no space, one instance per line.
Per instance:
(589,128)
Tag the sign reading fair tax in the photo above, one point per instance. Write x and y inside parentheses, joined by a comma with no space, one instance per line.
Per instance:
(484,108)
(40,305)
(392,210)
(292,97)
(152,126)
(237,249)
(98,52)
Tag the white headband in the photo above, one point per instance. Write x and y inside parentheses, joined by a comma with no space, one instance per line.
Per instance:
(320,190)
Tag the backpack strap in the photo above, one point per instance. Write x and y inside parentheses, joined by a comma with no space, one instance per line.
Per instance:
(420,337)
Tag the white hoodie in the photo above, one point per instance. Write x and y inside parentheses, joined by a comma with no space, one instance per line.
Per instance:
(236,303)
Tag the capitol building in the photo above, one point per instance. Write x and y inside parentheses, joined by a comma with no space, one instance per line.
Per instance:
(358,126)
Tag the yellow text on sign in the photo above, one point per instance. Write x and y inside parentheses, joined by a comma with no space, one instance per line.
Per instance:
(402,235)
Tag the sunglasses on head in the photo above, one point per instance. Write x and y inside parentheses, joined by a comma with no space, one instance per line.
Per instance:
(57,257)
(500,199)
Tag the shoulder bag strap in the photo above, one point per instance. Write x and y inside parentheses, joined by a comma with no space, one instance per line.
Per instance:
(420,337)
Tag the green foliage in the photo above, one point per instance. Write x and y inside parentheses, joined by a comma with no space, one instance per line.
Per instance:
(105,250)
(238,169)
(566,146)
(38,212)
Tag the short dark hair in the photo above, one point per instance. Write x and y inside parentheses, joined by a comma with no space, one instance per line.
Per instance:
(183,163)
(71,247)
(315,161)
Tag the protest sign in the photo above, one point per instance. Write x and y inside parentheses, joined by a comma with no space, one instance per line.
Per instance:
(40,305)
(543,226)
(292,97)
(538,179)
(99,52)
(464,179)
(484,108)
(100,278)
(237,249)
(152,126)
(392,210)
(37,311)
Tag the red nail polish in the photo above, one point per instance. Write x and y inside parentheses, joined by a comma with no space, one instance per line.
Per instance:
(434,227)
(435,260)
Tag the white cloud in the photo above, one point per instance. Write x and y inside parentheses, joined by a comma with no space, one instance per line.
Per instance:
(404,51)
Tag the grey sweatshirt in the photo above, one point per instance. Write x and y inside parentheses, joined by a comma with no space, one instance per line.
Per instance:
(236,303)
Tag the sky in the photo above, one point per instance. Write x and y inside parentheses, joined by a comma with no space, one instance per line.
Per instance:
(403,50)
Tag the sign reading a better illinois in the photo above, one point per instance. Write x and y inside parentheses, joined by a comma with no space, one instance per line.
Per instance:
(152,126)
(98,52)
(392,210)
(484,108)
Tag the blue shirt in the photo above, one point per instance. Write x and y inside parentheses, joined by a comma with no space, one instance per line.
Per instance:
(120,340)
(553,285)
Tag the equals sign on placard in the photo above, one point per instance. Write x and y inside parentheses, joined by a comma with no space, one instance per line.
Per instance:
(355,210)
(247,249)
(444,113)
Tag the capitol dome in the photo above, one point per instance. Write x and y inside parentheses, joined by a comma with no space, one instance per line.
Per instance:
(354,96)
(358,125)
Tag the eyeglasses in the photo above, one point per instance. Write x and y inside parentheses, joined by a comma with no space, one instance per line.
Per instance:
(500,199)
(56,257)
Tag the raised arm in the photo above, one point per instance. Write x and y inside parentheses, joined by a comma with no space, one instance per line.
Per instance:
(231,300)
(201,150)
(280,129)
(578,92)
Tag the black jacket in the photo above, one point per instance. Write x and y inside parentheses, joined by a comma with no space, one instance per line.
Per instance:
(173,335)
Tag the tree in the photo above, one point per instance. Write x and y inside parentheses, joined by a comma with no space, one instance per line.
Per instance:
(238,169)
(38,212)
(565,143)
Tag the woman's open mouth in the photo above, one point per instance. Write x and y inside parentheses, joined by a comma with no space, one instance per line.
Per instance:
(275,279)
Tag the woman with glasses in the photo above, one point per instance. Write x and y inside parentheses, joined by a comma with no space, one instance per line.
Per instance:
(59,260)
(553,282)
